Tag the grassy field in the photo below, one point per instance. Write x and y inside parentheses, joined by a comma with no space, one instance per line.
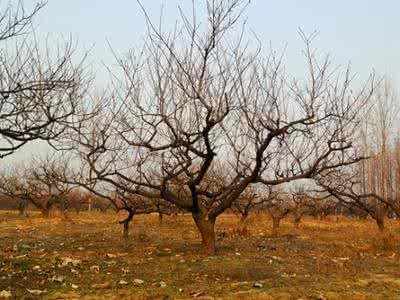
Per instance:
(86,258)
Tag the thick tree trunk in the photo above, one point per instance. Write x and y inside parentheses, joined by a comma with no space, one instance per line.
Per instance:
(207,231)
(275,225)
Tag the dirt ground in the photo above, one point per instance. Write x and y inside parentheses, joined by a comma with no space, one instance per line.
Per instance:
(84,257)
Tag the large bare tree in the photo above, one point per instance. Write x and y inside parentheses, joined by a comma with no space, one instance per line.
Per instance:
(204,97)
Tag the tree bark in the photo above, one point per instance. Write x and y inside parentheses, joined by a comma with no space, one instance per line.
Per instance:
(45,212)
(297,221)
(160,218)
(275,225)
(381,223)
(126,222)
(21,208)
(244,217)
(46,209)
(206,227)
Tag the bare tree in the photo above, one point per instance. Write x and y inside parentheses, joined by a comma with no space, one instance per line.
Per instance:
(40,89)
(249,200)
(300,205)
(38,184)
(370,186)
(201,97)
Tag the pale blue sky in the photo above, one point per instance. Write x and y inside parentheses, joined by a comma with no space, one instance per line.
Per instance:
(365,32)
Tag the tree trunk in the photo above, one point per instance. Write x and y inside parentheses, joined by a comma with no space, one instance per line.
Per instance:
(160,218)
(297,220)
(21,208)
(126,222)
(244,218)
(45,212)
(381,223)
(275,225)
(46,209)
(126,230)
(207,230)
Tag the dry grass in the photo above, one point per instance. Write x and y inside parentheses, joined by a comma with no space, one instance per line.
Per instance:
(344,259)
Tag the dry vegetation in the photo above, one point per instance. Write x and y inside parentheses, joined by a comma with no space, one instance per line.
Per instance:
(203,125)
(328,259)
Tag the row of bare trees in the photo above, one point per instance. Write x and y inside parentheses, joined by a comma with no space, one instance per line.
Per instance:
(197,119)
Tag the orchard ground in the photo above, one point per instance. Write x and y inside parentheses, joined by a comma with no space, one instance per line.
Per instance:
(85,257)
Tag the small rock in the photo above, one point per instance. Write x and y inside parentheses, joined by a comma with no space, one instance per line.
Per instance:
(68,260)
(58,279)
(95,268)
(196,294)
(257,285)
(163,284)
(122,282)
(109,255)
(5,294)
(101,286)
(35,292)
(138,281)
(74,286)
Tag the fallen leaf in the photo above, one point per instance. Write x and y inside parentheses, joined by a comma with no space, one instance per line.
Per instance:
(5,294)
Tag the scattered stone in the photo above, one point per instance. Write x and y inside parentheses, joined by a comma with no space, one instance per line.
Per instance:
(257,285)
(36,292)
(163,284)
(59,279)
(5,294)
(109,255)
(101,286)
(196,294)
(74,286)
(138,281)
(65,261)
(123,282)
(95,268)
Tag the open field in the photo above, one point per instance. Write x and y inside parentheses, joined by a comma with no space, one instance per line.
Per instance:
(86,258)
